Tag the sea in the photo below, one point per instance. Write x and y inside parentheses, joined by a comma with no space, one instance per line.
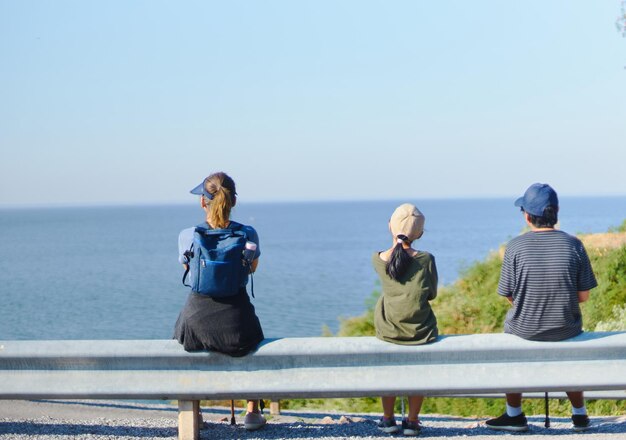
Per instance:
(112,272)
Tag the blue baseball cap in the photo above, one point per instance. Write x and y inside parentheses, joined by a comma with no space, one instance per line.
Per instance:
(538,197)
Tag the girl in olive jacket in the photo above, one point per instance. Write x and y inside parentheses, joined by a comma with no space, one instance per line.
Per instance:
(403,314)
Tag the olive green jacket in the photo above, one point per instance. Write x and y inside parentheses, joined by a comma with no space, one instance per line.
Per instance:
(403,314)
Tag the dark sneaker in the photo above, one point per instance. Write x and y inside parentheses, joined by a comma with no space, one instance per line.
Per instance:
(581,423)
(388,425)
(507,423)
(411,428)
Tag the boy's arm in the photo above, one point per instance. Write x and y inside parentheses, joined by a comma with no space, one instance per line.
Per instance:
(583,296)
(506,282)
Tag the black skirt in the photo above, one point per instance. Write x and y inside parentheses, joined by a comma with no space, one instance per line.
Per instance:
(228,325)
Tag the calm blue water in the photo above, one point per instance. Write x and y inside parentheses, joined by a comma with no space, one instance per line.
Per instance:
(112,272)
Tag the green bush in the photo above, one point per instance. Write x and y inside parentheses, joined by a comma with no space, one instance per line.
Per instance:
(617,322)
(456,406)
(360,325)
(348,405)
(471,304)
(609,266)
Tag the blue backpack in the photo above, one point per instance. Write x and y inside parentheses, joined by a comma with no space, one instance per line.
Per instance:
(215,261)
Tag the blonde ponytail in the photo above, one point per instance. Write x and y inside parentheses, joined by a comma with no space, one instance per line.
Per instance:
(222,188)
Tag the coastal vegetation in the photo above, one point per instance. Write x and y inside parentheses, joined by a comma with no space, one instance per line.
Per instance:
(471,305)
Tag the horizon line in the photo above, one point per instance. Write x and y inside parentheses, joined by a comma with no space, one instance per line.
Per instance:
(122,204)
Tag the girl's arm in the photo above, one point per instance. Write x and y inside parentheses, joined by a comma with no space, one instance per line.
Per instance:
(434,278)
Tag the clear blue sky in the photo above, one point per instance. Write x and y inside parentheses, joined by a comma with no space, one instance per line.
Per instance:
(137,101)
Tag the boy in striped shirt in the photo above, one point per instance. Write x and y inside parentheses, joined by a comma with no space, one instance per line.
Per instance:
(545,274)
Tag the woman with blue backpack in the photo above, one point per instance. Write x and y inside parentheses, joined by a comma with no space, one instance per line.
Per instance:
(218,256)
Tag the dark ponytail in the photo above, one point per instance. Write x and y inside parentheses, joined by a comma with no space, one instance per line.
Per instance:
(399,261)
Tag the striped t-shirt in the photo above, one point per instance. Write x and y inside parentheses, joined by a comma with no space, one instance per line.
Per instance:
(543,271)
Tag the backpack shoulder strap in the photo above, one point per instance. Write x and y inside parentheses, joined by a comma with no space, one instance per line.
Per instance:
(188,256)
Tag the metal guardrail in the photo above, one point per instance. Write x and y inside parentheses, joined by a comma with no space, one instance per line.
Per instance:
(309,367)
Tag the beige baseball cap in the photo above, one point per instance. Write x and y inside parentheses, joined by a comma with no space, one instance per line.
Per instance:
(407,220)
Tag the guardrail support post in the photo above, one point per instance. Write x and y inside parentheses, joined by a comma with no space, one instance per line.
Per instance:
(188,418)
(275,407)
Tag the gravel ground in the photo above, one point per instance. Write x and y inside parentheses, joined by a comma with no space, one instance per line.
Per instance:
(34,420)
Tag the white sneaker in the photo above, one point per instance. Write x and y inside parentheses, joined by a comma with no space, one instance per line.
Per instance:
(254,421)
